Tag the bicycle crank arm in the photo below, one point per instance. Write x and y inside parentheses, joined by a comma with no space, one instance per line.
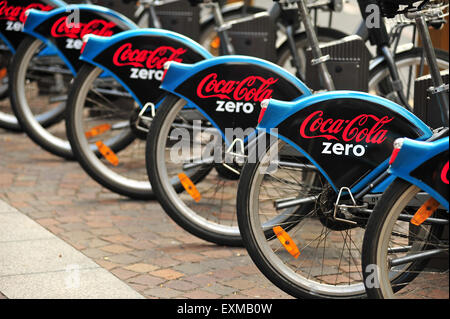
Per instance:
(57,99)
(288,203)
(194,164)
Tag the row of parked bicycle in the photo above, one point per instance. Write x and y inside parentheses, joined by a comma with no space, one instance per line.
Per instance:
(328,163)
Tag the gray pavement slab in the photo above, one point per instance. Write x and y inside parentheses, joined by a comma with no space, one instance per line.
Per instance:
(4,208)
(27,231)
(95,283)
(36,264)
(39,256)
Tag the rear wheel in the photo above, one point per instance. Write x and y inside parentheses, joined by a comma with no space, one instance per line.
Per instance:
(285,215)
(101,127)
(179,161)
(39,84)
(390,236)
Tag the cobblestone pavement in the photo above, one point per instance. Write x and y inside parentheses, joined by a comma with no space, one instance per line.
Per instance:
(134,240)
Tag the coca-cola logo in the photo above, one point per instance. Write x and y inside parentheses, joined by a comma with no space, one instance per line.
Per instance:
(356,130)
(127,56)
(444,174)
(17,13)
(250,89)
(63,28)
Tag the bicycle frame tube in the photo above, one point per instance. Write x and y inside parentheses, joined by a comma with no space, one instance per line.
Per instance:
(240,7)
(439,87)
(292,47)
(362,31)
(379,37)
(319,59)
(227,47)
(154,21)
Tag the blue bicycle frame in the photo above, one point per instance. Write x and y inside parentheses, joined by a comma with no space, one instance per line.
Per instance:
(424,164)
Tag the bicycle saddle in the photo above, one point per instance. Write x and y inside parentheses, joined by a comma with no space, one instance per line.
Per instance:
(197,2)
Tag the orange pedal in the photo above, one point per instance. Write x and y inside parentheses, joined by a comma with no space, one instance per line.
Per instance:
(425,211)
(287,241)
(107,153)
(189,187)
(97,130)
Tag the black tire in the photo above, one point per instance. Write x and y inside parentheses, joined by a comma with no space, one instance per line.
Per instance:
(392,196)
(154,175)
(35,125)
(87,159)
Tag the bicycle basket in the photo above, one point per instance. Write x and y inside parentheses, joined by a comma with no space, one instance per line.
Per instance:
(180,16)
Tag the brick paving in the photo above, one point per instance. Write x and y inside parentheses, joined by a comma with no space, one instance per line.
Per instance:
(134,240)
